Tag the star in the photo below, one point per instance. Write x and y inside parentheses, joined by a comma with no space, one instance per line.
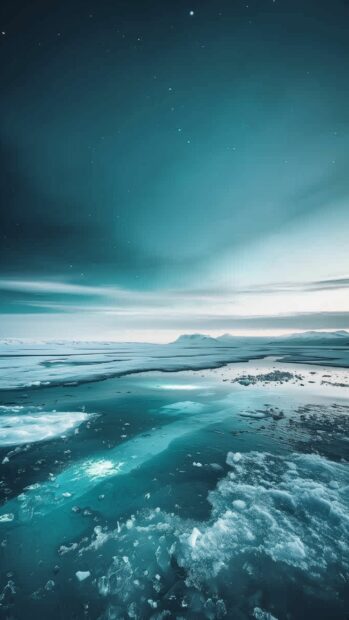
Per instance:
(191,13)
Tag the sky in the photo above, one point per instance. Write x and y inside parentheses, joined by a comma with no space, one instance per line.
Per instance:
(175,166)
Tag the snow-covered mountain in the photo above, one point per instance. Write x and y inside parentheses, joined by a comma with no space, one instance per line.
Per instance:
(196,340)
(339,337)
(309,338)
(341,333)
(227,338)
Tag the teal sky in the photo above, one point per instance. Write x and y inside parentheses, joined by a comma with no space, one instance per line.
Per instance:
(171,166)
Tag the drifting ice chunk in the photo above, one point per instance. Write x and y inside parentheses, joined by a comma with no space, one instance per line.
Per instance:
(260,614)
(233,457)
(239,504)
(34,425)
(6,518)
(194,536)
(82,574)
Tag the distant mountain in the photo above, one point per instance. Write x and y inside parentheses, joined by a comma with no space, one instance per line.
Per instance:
(310,338)
(316,338)
(226,338)
(196,340)
(315,335)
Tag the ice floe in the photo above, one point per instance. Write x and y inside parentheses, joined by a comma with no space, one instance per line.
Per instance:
(23,425)
(7,517)
(81,575)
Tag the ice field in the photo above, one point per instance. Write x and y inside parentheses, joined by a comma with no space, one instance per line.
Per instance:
(220,490)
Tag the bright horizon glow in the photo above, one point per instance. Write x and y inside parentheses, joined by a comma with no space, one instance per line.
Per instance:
(168,336)
(86,312)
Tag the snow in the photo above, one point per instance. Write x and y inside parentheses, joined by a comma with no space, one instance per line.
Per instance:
(196,340)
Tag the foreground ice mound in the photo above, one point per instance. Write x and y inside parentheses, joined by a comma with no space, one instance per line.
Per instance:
(293,511)
(277,539)
(22,425)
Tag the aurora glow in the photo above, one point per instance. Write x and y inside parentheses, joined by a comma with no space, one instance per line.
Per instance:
(169,168)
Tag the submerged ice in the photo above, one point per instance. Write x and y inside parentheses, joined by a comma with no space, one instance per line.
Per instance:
(276,521)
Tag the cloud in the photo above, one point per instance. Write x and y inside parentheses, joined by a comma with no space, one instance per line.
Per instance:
(301,320)
(94,326)
(21,295)
(48,287)
(59,286)
(330,284)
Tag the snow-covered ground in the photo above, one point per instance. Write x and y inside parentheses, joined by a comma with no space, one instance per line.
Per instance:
(31,364)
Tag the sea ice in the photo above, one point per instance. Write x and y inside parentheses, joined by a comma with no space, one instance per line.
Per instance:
(280,511)
(261,614)
(194,536)
(7,518)
(31,425)
(82,574)
(239,504)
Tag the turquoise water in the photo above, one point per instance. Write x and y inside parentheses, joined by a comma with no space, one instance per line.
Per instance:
(176,495)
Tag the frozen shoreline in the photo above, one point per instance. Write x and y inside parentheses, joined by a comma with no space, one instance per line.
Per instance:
(29,366)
